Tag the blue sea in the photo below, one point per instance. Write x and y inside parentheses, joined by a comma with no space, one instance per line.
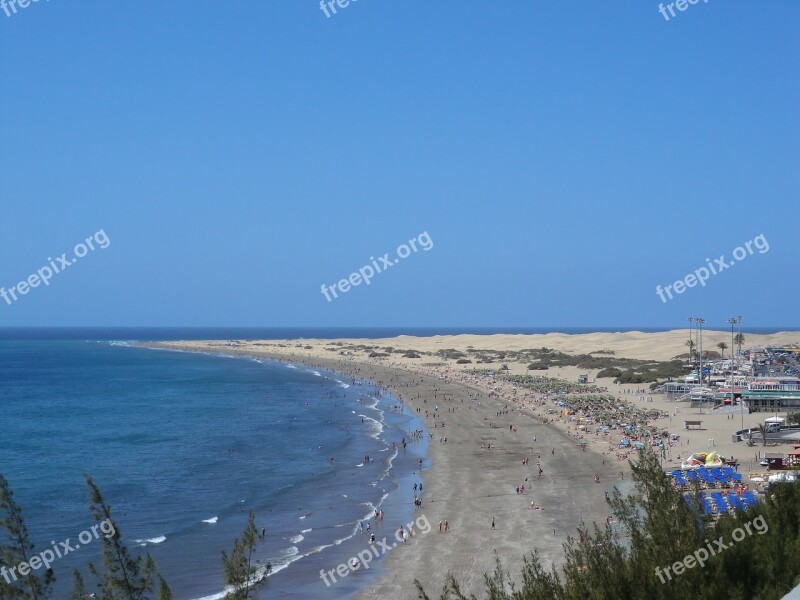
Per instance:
(184,445)
(283,333)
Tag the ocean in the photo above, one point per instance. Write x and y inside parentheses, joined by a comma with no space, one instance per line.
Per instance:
(184,445)
(283,333)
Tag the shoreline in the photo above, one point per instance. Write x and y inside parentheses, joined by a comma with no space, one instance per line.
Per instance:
(396,503)
(468,485)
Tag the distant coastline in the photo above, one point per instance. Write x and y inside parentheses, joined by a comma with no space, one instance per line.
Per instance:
(156,334)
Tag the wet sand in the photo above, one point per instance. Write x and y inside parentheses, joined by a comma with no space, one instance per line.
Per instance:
(468,485)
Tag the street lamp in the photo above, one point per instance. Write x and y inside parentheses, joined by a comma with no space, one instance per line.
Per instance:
(732,322)
(739,331)
(700,322)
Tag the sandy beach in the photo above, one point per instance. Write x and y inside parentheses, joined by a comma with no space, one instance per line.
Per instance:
(469,484)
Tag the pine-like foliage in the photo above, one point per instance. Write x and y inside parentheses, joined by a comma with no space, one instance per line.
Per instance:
(119,576)
(16,549)
(242,575)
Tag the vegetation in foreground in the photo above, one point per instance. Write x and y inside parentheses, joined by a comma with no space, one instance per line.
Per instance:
(119,576)
(653,528)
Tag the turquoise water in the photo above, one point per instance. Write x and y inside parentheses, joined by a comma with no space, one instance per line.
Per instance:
(184,445)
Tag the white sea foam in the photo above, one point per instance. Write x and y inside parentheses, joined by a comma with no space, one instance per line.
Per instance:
(289,555)
(156,540)
(375,426)
(276,568)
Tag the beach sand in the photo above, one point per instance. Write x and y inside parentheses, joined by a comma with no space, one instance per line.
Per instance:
(469,485)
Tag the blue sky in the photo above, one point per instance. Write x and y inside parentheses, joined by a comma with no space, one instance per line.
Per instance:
(565,158)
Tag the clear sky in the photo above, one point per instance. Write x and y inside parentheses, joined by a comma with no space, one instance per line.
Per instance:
(565,158)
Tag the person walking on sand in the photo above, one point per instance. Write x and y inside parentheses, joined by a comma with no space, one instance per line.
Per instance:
(446,526)
(493,524)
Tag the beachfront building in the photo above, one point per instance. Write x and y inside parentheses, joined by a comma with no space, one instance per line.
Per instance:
(793,457)
(772,394)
